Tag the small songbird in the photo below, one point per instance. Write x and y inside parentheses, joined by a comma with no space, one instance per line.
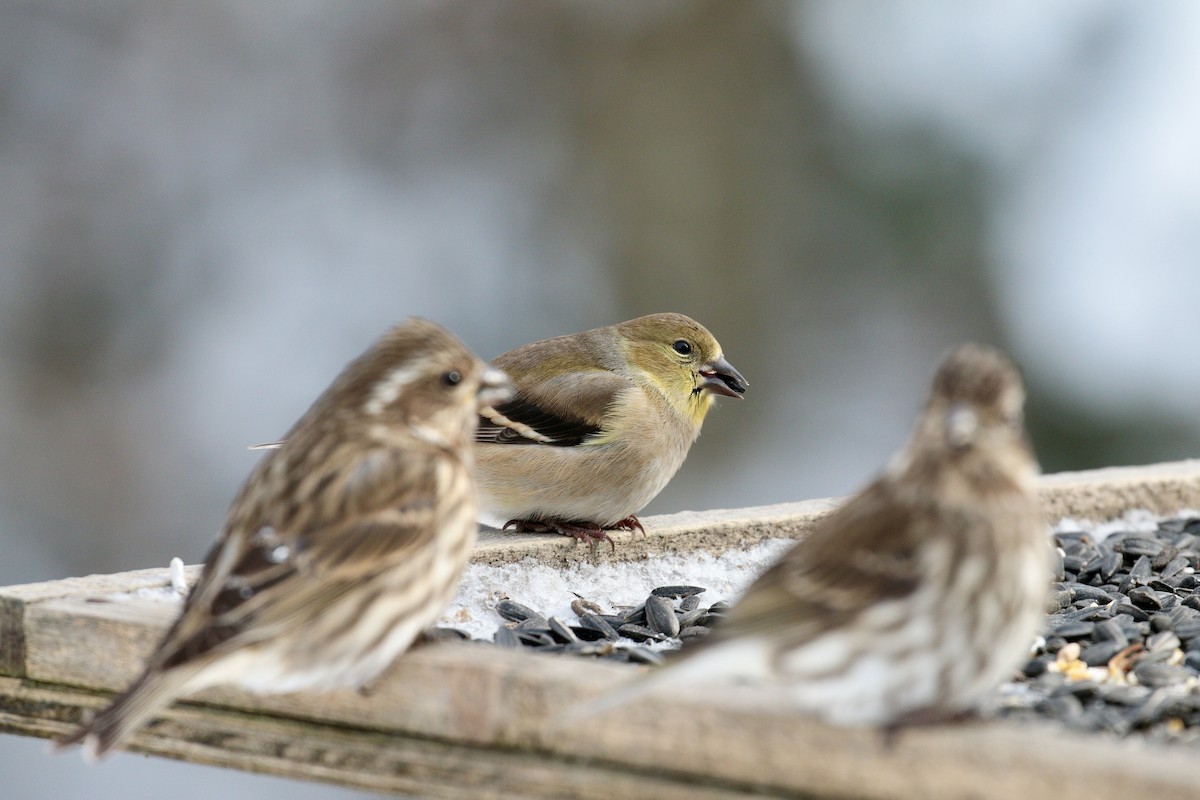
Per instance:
(918,595)
(600,422)
(342,545)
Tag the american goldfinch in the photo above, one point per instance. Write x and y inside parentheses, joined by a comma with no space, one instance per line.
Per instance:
(600,422)
(342,545)
(917,596)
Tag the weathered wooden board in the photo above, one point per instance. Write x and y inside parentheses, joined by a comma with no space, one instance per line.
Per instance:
(356,757)
(474,721)
(454,718)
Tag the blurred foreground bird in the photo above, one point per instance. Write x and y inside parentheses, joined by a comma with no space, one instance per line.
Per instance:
(917,596)
(600,422)
(341,546)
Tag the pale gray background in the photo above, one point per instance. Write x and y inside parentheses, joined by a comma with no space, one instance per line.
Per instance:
(207,208)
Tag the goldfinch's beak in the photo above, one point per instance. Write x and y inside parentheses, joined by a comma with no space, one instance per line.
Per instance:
(721,378)
(494,387)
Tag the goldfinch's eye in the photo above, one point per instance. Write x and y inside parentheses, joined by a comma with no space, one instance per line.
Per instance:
(683,347)
(451,378)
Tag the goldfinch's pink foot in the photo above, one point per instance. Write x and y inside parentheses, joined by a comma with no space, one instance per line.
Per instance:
(588,532)
(630,523)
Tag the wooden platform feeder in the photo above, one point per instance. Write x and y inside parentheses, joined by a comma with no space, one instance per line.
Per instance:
(473,721)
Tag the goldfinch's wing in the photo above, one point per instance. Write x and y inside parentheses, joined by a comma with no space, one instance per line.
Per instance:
(864,553)
(377,514)
(563,410)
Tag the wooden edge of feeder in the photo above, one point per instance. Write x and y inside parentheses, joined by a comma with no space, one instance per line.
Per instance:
(359,758)
(448,716)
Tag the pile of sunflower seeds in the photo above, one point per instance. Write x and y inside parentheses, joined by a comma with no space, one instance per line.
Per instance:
(1120,652)
(669,616)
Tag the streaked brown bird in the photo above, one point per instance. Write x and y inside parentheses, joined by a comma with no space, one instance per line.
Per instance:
(917,596)
(600,423)
(342,545)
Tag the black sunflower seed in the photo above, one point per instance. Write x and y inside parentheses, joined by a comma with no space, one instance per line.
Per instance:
(660,616)
(506,637)
(1099,654)
(639,633)
(1136,546)
(562,632)
(1145,598)
(676,592)
(513,611)
(644,655)
(596,623)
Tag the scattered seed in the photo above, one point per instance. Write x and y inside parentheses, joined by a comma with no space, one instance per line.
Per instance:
(644,655)
(1075,630)
(660,616)
(1099,654)
(1164,557)
(636,615)
(676,592)
(534,623)
(596,623)
(1188,630)
(1111,630)
(1137,546)
(562,632)
(1058,601)
(581,606)
(506,637)
(1141,569)
(534,638)
(1175,566)
(1131,611)
(1164,640)
(1145,598)
(588,635)
(1065,707)
(1157,676)
(1110,566)
(1081,591)
(639,633)
(513,611)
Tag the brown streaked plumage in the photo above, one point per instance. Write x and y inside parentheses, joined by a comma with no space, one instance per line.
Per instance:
(919,594)
(600,422)
(343,543)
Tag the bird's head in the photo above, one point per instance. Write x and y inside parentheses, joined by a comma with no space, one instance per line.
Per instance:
(974,415)
(680,357)
(417,375)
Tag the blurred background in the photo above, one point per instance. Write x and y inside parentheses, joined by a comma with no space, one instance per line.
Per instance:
(207,208)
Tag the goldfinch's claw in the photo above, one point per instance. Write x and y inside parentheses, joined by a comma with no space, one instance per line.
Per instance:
(589,535)
(588,532)
(630,523)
